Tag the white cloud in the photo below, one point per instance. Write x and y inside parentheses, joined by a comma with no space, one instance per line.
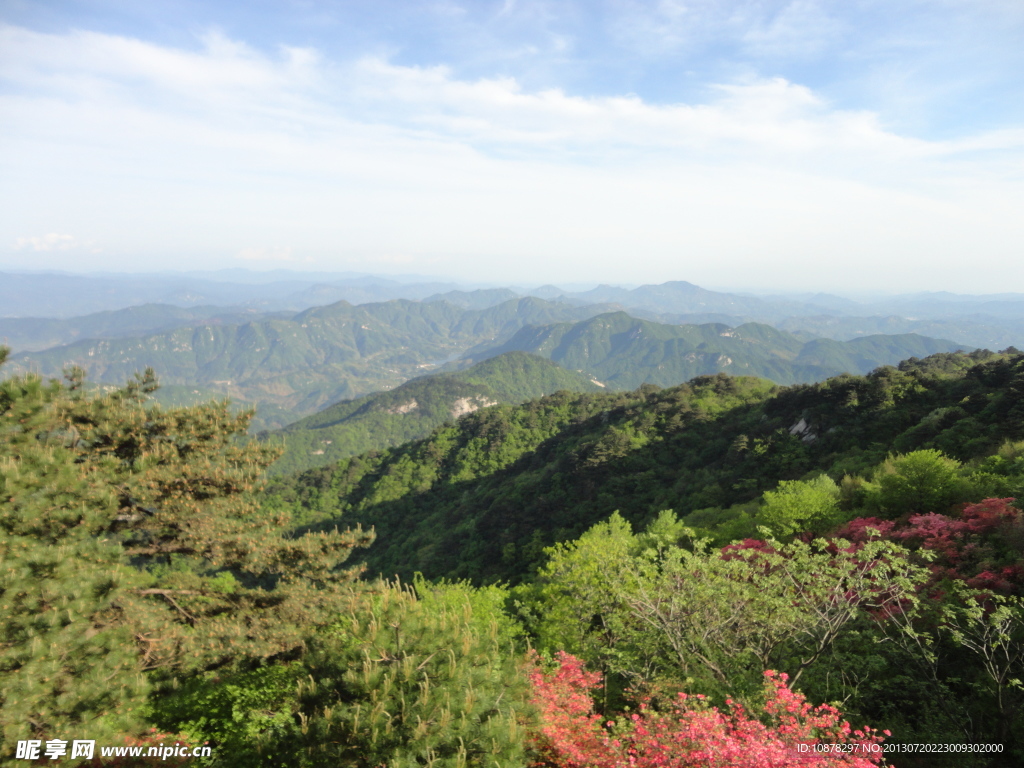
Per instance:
(50,242)
(194,154)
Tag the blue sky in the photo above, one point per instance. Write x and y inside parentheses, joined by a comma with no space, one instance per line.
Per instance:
(755,145)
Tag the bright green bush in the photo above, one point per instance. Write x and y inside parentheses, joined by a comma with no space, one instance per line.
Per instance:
(801,505)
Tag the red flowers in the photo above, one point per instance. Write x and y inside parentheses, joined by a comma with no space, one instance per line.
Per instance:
(692,733)
(969,546)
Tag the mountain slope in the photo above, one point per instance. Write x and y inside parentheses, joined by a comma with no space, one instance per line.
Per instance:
(481,498)
(410,411)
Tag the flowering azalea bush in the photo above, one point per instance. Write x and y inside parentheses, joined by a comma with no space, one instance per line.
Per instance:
(691,733)
(968,546)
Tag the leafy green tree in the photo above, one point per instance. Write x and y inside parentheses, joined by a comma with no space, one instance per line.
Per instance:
(574,605)
(802,505)
(917,483)
(992,628)
(133,550)
(707,619)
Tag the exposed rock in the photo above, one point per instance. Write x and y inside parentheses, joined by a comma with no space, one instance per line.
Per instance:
(465,405)
(803,430)
(412,405)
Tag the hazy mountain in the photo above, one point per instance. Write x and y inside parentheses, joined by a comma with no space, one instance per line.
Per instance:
(994,321)
(991,334)
(414,409)
(67,295)
(301,363)
(478,299)
(962,319)
(63,295)
(28,334)
(677,296)
(624,352)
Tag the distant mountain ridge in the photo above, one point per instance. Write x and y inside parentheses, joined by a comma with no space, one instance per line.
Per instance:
(292,365)
(625,352)
(65,295)
(33,334)
(303,362)
(994,321)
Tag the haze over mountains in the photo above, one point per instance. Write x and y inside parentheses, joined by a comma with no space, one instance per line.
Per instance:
(993,321)
(257,339)
(293,366)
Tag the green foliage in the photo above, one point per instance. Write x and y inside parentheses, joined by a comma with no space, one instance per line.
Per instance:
(704,620)
(482,498)
(574,607)
(992,628)
(133,550)
(405,678)
(449,505)
(802,505)
(236,711)
(917,482)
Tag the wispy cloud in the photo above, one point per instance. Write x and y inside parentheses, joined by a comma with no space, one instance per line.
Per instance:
(205,150)
(50,242)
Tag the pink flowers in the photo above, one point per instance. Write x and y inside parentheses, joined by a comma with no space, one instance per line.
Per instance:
(965,545)
(692,733)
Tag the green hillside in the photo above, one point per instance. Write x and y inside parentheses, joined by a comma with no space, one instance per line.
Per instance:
(301,363)
(481,498)
(624,352)
(412,410)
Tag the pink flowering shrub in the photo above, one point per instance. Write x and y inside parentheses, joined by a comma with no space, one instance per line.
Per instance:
(692,733)
(968,546)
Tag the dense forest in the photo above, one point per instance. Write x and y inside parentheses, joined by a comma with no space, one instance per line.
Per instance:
(724,573)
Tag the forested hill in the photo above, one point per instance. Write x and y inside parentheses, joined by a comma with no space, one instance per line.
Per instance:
(414,409)
(624,352)
(481,498)
(304,362)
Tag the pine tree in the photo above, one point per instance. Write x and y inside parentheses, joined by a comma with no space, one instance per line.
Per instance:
(133,550)
(414,678)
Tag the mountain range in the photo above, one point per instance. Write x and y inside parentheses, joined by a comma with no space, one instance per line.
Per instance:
(292,366)
(624,352)
(295,365)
